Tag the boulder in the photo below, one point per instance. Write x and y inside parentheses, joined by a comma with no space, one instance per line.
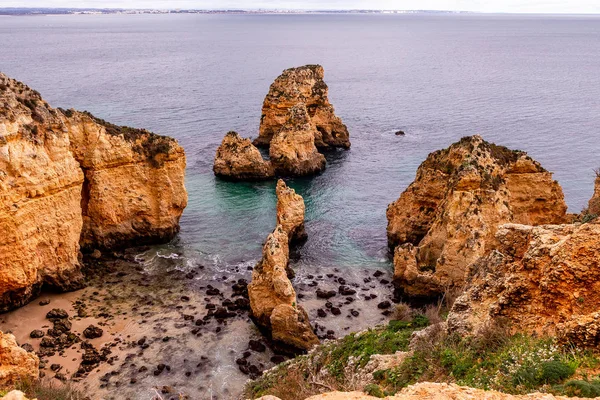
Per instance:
(290,212)
(302,85)
(70,180)
(239,159)
(16,364)
(540,279)
(447,218)
(293,151)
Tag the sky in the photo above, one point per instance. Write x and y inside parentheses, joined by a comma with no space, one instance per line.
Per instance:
(512,6)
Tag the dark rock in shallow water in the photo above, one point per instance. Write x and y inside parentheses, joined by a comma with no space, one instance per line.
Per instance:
(384,305)
(335,311)
(321,313)
(36,334)
(325,294)
(57,313)
(346,291)
(257,346)
(400,133)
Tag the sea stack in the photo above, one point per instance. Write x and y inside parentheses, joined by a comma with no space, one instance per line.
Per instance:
(594,204)
(448,217)
(302,85)
(273,302)
(69,180)
(239,159)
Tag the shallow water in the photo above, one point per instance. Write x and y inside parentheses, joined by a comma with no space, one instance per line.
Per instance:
(527,82)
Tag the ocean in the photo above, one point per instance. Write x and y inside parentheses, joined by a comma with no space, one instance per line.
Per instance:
(526,82)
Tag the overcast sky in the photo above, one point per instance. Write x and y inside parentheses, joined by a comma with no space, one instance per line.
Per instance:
(527,6)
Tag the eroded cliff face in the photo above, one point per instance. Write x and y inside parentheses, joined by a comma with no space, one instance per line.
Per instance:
(68,179)
(16,364)
(293,151)
(447,218)
(594,204)
(239,159)
(540,279)
(40,198)
(134,190)
(290,212)
(273,302)
(302,85)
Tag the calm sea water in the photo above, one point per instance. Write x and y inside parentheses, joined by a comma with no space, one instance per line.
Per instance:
(529,83)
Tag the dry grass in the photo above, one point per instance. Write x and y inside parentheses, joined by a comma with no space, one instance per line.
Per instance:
(45,389)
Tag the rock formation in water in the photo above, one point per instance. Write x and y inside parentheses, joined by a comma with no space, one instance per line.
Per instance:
(290,212)
(434,391)
(239,159)
(16,364)
(68,179)
(540,279)
(447,218)
(594,204)
(302,85)
(293,151)
(273,302)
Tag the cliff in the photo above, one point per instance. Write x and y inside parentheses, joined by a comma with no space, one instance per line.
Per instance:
(67,180)
(447,218)
(16,364)
(302,85)
(239,159)
(543,280)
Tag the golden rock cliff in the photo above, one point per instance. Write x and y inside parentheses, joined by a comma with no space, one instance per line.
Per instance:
(134,190)
(239,159)
(290,212)
(302,85)
(16,364)
(293,151)
(447,218)
(594,204)
(540,279)
(68,179)
(40,198)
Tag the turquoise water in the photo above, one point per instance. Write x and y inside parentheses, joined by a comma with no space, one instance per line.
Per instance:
(527,82)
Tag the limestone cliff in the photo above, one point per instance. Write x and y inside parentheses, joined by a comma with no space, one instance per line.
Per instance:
(290,212)
(239,159)
(594,204)
(435,391)
(293,151)
(273,300)
(293,87)
(447,218)
(543,279)
(16,364)
(69,179)
(40,198)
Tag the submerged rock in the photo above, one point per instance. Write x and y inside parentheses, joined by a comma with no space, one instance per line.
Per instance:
(16,364)
(69,179)
(447,218)
(293,151)
(302,85)
(290,212)
(542,279)
(239,159)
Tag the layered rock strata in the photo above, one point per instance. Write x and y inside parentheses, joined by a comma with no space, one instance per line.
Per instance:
(293,151)
(273,302)
(542,279)
(447,218)
(290,212)
(68,179)
(302,85)
(239,159)
(16,364)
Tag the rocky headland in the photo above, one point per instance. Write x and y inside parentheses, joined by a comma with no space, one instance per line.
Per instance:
(273,301)
(297,120)
(68,181)
(447,218)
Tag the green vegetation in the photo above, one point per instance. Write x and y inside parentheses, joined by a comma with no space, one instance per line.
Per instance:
(495,359)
